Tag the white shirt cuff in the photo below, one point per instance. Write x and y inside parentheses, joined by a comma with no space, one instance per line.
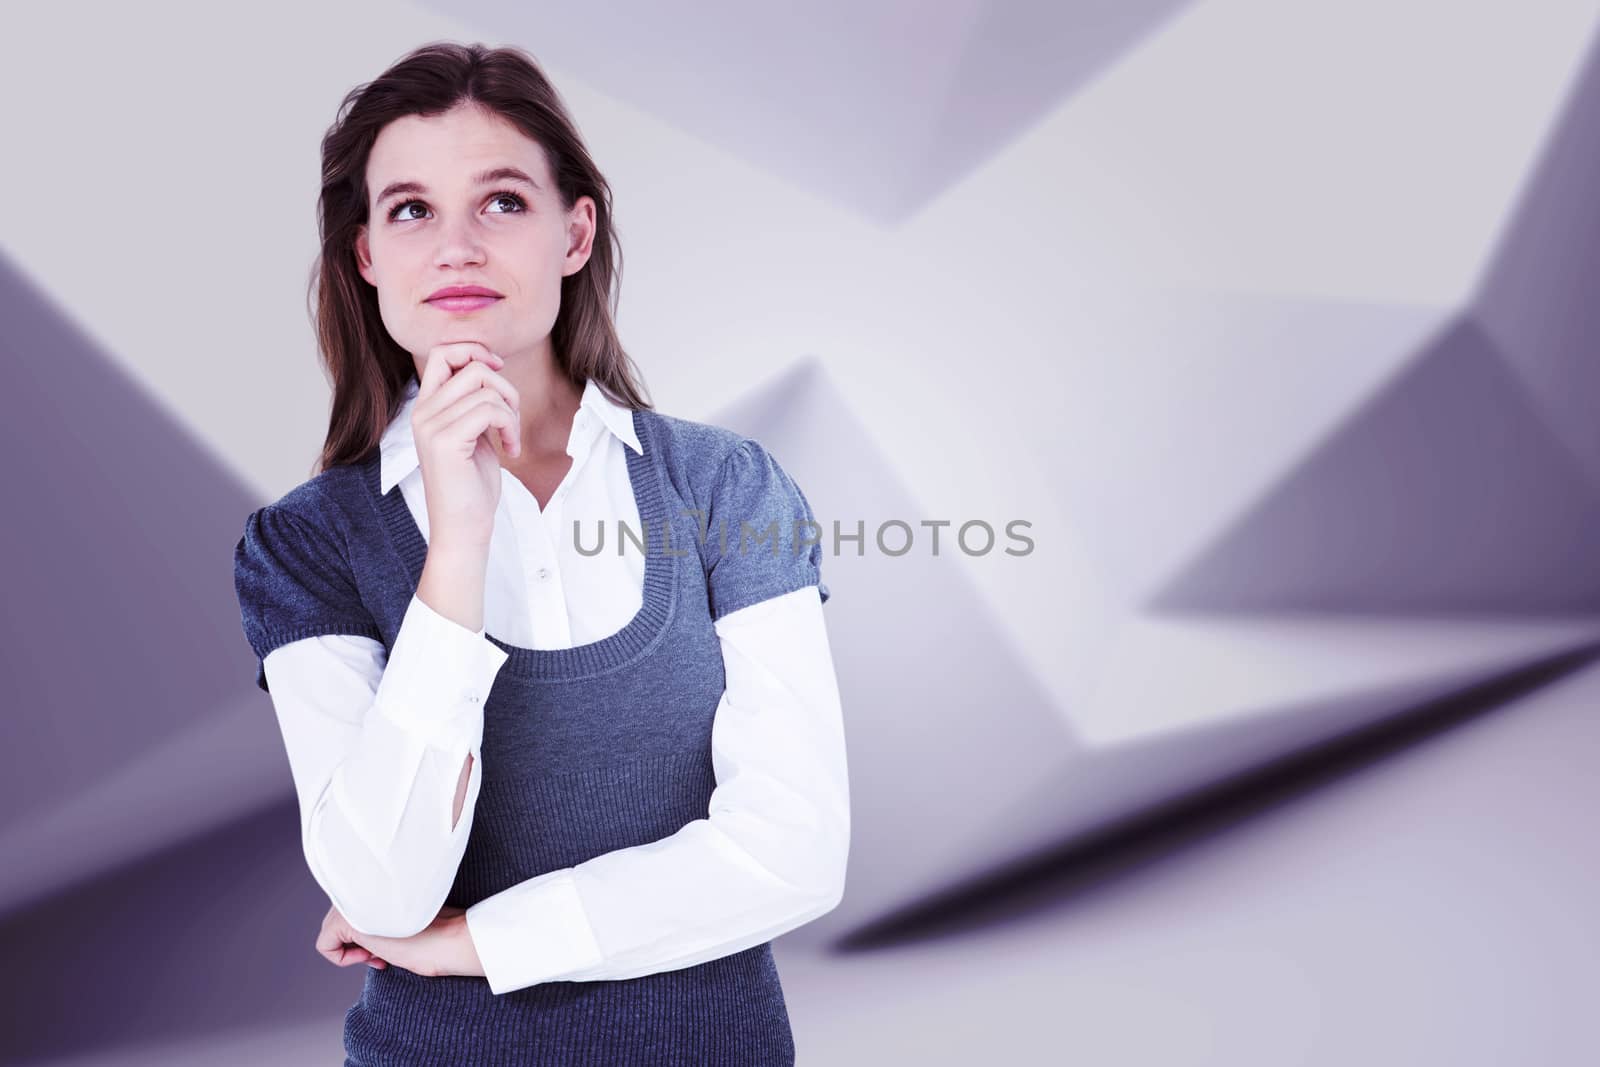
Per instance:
(438,676)
(536,931)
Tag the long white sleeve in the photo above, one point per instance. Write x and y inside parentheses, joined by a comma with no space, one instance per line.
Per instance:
(376,750)
(770,855)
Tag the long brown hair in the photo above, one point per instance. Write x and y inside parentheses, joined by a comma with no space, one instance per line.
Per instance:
(368,369)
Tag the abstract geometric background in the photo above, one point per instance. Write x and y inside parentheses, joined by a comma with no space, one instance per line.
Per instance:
(1275,321)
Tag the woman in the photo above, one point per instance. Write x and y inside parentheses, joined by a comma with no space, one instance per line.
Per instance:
(561,795)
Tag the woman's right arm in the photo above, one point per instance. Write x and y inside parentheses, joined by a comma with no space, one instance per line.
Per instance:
(386,761)
(384,749)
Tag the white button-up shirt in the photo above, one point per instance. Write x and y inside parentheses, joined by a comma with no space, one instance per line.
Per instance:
(376,743)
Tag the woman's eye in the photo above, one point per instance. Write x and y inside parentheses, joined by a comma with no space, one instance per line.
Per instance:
(520,205)
(512,197)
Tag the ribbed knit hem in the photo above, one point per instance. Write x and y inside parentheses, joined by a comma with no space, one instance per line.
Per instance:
(728,1012)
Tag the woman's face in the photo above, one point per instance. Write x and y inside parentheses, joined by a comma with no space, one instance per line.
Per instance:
(453,223)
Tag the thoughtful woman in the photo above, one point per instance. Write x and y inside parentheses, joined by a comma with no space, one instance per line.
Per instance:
(561,799)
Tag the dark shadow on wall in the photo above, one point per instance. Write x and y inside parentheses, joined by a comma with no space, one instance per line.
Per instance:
(211,935)
(1058,878)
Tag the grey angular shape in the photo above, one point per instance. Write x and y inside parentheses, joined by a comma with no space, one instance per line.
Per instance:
(222,928)
(1445,493)
(232,756)
(944,722)
(1197,403)
(1536,297)
(914,98)
(1154,775)
(121,631)
(1440,897)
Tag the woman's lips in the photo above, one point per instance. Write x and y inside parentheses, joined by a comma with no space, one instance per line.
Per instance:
(463,303)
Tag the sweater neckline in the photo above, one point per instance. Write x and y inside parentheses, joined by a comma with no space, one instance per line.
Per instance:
(596,657)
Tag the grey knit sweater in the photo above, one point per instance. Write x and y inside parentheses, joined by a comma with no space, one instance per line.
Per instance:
(585,750)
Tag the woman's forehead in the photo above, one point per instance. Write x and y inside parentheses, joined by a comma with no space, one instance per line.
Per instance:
(415,151)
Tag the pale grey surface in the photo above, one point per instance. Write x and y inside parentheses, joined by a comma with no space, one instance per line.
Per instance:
(1436,907)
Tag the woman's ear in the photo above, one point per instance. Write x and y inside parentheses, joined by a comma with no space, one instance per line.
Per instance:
(364,256)
(580,234)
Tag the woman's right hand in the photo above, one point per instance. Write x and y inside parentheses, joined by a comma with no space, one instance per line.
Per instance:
(337,943)
(462,401)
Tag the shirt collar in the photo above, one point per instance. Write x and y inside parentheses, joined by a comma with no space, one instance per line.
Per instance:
(398,451)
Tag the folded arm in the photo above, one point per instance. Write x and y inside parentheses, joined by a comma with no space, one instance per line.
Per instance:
(769,857)
(385,753)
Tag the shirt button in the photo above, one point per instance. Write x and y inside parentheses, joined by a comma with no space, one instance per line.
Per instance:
(472,698)
(544,572)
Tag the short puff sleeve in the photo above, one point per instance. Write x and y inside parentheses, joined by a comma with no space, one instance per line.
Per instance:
(761,538)
(293,582)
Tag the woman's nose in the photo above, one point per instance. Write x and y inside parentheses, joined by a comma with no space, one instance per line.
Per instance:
(460,245)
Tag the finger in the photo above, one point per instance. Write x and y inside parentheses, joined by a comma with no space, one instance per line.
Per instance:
(335,932)
(446,359)
(504,420)
(476,375)
(347,955)
(474,415)
(511,428)
(334,938)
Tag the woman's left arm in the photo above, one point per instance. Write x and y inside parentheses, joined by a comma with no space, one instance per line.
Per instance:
(770,856)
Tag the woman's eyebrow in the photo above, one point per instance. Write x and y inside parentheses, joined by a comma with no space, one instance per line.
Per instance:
(494,174)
